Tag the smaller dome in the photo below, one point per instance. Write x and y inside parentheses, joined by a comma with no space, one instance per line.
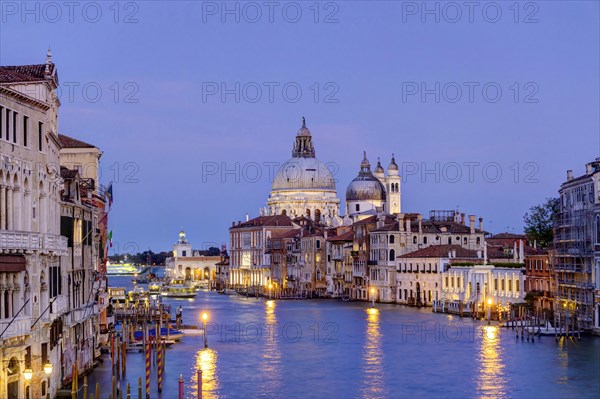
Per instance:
(393,165)
(365,187)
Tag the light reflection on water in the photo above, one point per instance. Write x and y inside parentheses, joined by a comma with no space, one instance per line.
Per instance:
(491,380)
(373,376)
(270,365)
(206,360)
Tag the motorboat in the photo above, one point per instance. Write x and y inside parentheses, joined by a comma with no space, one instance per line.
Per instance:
(178,289)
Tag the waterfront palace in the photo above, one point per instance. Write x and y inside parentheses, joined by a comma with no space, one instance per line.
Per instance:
(302,246)
(52,240)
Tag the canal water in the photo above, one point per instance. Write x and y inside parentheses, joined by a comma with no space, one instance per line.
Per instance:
(332,349)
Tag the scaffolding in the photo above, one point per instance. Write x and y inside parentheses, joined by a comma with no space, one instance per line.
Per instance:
(573,262)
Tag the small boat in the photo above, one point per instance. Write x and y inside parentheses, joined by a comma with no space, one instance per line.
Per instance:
(178,289)
(227,291)
(138,346)
(172,334)
(154,288)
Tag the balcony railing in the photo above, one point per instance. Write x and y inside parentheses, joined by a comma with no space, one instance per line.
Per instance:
(27,242)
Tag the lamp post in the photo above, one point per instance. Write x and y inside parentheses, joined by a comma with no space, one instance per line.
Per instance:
(489,302)
(373,297)
(204,318)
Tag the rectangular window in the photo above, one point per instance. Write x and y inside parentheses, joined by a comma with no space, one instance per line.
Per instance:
(7,124)
(40,135)
(510,285)
(44,353)
(496,284)
(25,130)
(517,285)
(15,126)
(1,124)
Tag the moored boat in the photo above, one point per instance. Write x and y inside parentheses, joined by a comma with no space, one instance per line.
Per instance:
(178,289)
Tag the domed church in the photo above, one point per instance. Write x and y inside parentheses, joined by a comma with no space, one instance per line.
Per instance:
(304,186)
(368,190)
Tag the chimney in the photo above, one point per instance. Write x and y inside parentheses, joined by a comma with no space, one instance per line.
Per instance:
(407,223)
(569,174)
(420,219)
(479,253)
(247,217)
(589,169)
(400,218)
(450,254)
(454,253)
(515,251)
(521,252)
(472,223)
(462,218)
(534,244)
(481,224)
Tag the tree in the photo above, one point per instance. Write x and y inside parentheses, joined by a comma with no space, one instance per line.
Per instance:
(538,222)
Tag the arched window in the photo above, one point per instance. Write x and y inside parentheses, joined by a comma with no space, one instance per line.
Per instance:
(391,239)
(478,240)
(425,240)
(357,207)
(284,212)
(465,240)
(414,239)
(392,255)
(449,240)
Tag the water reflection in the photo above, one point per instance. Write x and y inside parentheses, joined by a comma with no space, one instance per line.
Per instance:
(270,364)
(491,382)
(206,360)
(373,379)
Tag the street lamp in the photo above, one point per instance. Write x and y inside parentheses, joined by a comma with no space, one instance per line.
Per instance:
(48,368)
(28,374)
(204,318)
(489,302)
(373,296)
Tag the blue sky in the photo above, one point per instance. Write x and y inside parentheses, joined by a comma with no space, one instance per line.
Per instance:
(163,123)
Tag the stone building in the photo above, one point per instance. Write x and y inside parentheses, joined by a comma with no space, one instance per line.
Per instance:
(50,241)
(249,264)
(577,248)
(188,264)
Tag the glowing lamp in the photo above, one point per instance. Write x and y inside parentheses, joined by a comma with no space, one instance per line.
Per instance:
(489,301)
(48,368)
(204,316)
(28,374)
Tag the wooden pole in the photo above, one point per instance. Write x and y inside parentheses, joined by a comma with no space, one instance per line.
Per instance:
(180,386)
(85,387)
(199,374)
(128,391)
(114,387)
(139,387)
(97,393)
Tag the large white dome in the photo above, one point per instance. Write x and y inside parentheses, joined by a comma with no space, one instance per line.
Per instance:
(303,174)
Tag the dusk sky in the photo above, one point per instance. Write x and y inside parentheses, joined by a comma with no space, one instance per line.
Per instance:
(163,122)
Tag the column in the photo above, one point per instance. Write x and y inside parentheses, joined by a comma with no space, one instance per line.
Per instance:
(3,208)
(2,287)
(26,222)
(9,208)
(10,302)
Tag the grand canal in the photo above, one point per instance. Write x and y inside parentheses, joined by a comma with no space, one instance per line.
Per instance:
(331,349)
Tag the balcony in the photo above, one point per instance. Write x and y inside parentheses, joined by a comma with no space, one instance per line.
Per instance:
(27,242)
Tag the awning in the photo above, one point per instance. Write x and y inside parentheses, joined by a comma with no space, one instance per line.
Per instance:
(12,264)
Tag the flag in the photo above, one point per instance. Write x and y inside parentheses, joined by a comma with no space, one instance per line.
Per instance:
(110,238)
(109,194)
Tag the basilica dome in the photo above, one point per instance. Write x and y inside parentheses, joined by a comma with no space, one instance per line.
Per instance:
(365,187)
(303,185)
(303,171)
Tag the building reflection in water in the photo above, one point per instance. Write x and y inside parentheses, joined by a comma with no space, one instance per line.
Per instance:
(491,382)
(206,360)
(373,380)
(270,364)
